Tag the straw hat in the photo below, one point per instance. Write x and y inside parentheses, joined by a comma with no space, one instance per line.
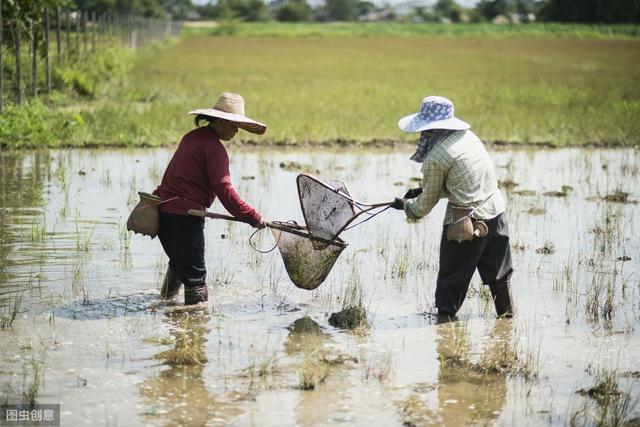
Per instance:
(435,112)
(230,106)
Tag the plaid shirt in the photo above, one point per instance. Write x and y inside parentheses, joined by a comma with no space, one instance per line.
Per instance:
(459,169)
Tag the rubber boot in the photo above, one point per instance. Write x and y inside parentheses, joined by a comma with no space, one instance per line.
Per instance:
(445,317)
(502,299)
(171,284)
(195,294)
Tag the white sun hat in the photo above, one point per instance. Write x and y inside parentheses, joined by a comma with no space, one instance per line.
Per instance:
(435,112)
(230,106)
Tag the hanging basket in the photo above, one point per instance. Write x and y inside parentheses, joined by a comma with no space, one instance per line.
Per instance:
(144,218)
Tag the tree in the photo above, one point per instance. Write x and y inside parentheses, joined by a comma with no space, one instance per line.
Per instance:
(342,10)
(448,9)
(247,10)
(489,9)
(591,11)
(294,11)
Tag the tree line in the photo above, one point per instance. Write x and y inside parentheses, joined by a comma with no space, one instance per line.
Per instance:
(584,11)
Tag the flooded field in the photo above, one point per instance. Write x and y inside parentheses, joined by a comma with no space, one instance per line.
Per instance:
(83,325)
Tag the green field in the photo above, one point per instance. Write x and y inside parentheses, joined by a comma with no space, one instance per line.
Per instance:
(407,29)
(321,89)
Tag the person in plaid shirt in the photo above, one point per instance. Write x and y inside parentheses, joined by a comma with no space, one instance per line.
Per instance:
(456,166)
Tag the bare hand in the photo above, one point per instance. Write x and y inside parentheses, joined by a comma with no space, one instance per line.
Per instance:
(261,224)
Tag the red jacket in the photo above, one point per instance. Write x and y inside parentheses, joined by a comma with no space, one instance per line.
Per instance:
(197,174)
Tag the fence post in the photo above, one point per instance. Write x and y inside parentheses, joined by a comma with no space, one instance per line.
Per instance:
(47,65)
(67,29)
(77,19)
(84,31)
(58,46)
(1,73)
(16,39)
(93,31)
(34,58)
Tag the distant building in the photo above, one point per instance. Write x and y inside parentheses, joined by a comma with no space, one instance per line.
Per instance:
(407,7)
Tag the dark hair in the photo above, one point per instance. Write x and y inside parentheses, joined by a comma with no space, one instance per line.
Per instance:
(201,117)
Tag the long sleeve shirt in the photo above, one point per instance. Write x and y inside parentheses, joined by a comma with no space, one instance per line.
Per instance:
(197,174)
(459,169)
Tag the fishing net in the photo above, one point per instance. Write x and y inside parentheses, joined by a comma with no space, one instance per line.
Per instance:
(327,207)
(310,251)
(307,261)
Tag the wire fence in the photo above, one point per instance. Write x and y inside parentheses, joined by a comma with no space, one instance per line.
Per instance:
(30,48)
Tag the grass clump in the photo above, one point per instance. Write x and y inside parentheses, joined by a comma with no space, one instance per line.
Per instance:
(353,314)
(312,373)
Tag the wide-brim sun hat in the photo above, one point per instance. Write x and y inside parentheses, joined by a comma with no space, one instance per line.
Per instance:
(230,106)
(435,112)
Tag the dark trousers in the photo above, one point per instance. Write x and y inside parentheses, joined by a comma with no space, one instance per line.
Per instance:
(491,255)
(182,239)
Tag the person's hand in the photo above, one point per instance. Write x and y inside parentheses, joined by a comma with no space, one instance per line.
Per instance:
(413,193)
(398,203)
(261,224)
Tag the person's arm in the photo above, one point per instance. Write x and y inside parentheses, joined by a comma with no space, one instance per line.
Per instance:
(220,182)
(432,185)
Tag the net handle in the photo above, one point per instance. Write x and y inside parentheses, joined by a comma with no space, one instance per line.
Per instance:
(288,228)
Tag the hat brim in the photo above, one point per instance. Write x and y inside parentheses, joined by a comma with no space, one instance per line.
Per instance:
(414,123)
(242,122)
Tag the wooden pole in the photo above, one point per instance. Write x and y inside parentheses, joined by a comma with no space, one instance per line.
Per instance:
(67,29)
(78,15)
(58,44)
(85,36)
(1,73)
(47,65)
(94,24)
(34,59)
(16,38)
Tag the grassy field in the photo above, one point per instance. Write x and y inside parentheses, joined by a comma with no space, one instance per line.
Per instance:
(320,89)
(407,29)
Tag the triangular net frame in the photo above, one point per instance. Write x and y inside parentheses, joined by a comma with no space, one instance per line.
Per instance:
(329,209)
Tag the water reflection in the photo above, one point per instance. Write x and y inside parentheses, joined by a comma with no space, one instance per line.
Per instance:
(325,403)
(305,336)
(179,395)
(21,201)
(471,393)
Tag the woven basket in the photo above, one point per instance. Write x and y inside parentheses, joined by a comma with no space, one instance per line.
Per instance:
(461,229)
(144,218)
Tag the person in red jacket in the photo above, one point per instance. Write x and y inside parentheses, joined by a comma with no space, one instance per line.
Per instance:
(196,175)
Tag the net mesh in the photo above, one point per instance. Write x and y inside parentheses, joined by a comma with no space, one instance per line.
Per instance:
(307,263)
(325,208)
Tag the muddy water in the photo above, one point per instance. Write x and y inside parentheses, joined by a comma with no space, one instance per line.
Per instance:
(91,334)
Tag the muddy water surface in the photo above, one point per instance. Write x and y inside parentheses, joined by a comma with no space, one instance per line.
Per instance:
(83,325)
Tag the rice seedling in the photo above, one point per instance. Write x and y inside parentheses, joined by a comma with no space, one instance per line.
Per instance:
(124,236)
(380,367)
(10,311)
(401,261)
(31,382)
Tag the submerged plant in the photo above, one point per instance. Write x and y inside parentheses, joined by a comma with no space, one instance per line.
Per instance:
(31,390)
(10,312)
